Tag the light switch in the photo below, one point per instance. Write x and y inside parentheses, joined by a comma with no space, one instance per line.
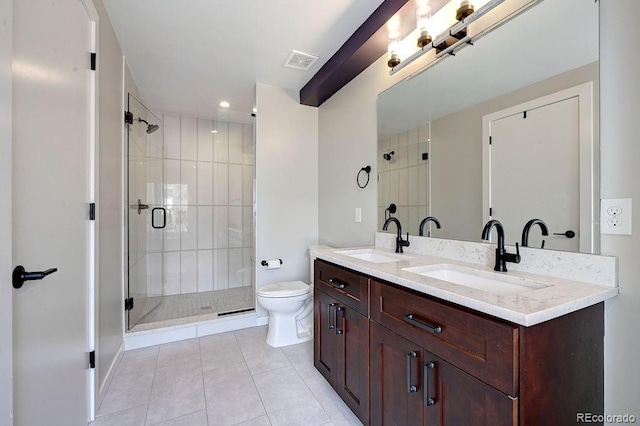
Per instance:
(358,215)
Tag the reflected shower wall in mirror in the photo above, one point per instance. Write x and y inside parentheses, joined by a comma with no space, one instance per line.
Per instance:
(433,121)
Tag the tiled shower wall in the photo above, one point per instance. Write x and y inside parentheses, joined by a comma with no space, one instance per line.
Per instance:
(208,241)
(404,181)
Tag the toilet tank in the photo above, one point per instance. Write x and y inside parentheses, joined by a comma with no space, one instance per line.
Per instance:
(312,257)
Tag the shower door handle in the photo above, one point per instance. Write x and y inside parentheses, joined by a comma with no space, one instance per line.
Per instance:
(141,206)
(153,217)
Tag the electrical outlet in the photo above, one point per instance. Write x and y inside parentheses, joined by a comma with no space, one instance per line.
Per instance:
(615,216)
(358,215)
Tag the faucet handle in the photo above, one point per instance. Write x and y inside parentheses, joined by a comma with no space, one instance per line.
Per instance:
(513,258)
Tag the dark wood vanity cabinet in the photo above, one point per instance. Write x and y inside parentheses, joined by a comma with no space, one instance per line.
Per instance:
(479,370)
(341,341)
(412,386)
(399,357)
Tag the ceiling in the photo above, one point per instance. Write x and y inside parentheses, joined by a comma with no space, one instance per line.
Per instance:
(187,56)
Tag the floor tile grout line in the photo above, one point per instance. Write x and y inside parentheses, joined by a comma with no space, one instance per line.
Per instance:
(204,389)
(253,380)
(314,395)
(155,371)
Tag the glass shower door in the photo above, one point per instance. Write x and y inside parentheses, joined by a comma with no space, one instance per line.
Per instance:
(146,216)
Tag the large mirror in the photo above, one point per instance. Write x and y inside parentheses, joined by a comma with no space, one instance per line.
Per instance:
(506,129)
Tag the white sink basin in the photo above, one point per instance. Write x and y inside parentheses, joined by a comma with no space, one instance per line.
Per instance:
(373,256)
(497,283)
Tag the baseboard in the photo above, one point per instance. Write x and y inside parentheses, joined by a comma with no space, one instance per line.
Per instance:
(102,390)
(143,339)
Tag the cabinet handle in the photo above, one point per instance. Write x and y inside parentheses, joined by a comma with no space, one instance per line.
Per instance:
(329,306)
(428,401)
(410,388)
(336,284)
(335,319)
(422,325)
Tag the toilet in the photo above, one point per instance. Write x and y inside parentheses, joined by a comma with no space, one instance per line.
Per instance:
(290,306)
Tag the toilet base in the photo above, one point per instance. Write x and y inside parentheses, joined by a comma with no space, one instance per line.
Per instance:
(285,330)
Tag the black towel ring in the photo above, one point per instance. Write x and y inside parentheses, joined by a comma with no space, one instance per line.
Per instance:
(364,169)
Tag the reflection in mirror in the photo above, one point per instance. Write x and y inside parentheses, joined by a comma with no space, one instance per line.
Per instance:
(437,124)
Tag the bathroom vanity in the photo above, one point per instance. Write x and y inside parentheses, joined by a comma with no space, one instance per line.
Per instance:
(402,348)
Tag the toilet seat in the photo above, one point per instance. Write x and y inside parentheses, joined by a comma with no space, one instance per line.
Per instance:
(284,289)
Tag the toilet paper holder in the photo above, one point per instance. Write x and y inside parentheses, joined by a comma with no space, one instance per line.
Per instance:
(265,263)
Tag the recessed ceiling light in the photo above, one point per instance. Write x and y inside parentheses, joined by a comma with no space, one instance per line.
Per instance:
(225,104)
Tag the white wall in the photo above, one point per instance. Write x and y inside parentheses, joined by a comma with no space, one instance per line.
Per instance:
(6,290)
(286,184)
(347,140)
(620,174)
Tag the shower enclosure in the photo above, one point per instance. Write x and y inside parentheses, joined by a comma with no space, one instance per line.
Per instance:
(190,218)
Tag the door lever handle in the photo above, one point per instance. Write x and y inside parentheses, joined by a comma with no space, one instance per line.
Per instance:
(20,275)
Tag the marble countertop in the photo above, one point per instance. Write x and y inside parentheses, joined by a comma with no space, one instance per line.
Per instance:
(556,296)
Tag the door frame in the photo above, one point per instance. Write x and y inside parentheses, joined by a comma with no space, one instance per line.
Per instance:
(92,294)
(589,161)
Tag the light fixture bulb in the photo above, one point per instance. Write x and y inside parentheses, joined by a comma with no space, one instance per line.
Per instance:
(422,18)
(466,8)
(214,131)
(394,49)
(225,104)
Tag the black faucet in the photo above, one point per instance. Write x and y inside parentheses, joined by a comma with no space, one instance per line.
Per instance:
(527,228)
(502,257)
(399,241)
(428,219)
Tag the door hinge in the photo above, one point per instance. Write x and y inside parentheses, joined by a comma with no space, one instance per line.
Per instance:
(128,117)
(490,140)
(93,62)
(490,211)
(524,114)
(425,155)
(92,211)
(128,304)
(92,359)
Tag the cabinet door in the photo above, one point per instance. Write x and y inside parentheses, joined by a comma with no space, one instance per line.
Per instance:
(458,398)
(395,375)
(352,379)
(325,342)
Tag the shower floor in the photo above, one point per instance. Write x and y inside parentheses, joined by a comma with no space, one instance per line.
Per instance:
(193,307)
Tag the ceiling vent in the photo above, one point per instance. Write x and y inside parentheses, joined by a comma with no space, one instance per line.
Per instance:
(300,60)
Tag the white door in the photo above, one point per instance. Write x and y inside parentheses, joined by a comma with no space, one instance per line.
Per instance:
(535,173)
(51,190)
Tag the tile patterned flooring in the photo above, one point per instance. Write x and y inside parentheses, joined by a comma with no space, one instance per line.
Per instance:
(232,378)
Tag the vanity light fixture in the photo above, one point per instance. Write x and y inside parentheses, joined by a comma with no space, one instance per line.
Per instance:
(450,40)
(225,104)
(394,49)
(422,18)
(466,8)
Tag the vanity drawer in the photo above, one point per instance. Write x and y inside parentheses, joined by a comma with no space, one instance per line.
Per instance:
(348,287)
(481,346)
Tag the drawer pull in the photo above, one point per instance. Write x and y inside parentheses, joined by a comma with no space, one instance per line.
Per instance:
(335,319)
(410,388)
(336,284)
(329,306)
(428,401)
(422,325)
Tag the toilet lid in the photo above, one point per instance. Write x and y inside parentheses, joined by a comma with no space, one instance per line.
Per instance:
(284,289)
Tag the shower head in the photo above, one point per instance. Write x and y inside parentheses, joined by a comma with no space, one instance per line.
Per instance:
(150,127)
(387,156)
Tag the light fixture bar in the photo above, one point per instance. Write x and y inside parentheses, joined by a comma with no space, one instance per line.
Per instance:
(450,49)
(455,29)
